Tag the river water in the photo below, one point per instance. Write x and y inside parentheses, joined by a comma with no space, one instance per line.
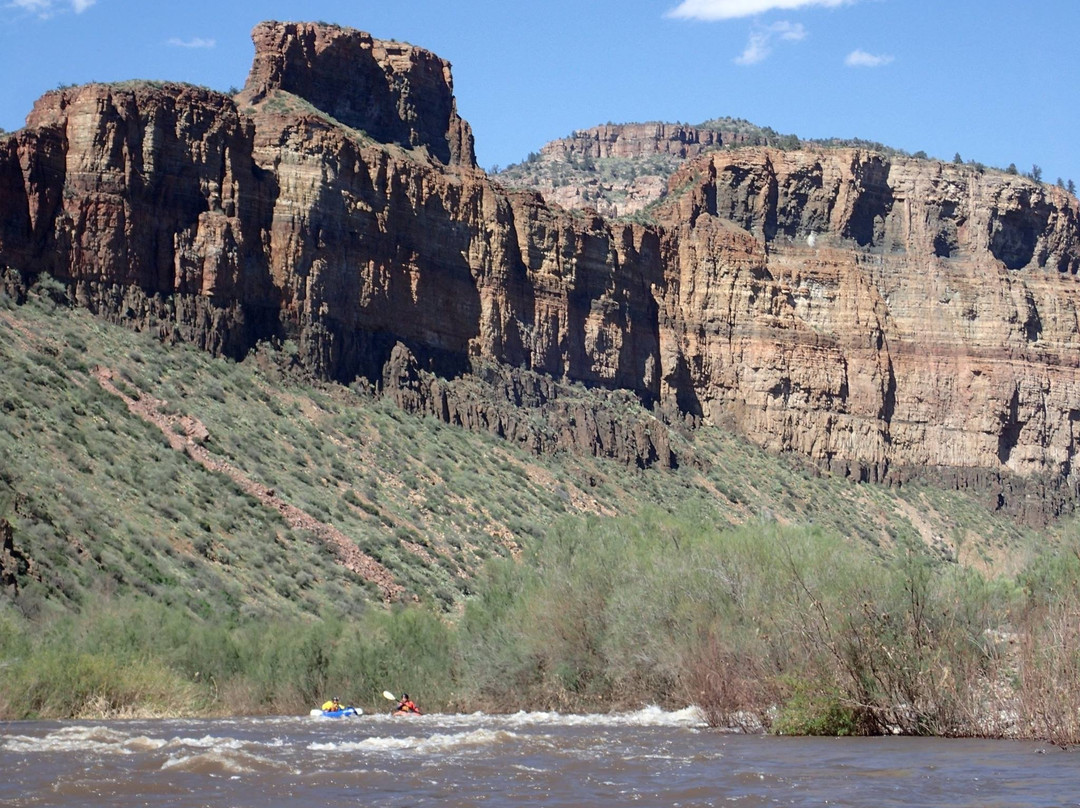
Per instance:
(647,758)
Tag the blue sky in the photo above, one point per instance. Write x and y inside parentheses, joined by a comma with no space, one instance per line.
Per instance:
(994,80)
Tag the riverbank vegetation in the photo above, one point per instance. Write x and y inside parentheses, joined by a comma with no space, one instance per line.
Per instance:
(138,581)
(790,630)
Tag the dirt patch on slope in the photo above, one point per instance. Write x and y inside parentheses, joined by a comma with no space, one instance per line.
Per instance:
(187,434)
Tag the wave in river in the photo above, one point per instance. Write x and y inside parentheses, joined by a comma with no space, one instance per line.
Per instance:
(647,717)
(650,756)
(82,738)
(430,744)
(221,761)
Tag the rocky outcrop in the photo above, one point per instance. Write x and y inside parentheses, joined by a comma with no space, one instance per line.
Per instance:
(13,564)
(394,92)
(865,201)
(633,140)
(621,169)
(533,411)
(882,316)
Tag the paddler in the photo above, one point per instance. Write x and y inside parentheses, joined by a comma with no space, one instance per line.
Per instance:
(332,705)
(406,705)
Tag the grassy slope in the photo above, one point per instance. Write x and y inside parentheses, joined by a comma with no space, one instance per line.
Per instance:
(102,505)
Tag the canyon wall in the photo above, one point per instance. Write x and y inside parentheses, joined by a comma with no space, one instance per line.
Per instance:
(884,317)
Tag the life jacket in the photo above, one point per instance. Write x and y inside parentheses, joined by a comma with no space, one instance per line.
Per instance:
(330,705)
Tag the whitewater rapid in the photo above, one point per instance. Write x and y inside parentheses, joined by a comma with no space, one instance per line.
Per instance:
(648,757)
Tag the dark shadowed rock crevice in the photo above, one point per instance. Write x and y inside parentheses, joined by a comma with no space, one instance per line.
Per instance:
(13,564)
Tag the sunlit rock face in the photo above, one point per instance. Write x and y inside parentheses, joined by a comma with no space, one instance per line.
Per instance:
(883,317)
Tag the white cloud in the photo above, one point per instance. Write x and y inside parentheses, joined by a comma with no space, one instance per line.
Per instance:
(48,8)
(790,31)
(757,49)
(197,42)
(760,45)
(860,58)
(711,10)
(33,6)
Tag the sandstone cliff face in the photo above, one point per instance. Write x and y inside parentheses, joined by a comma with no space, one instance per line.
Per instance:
(144,199)
(395,92)
(884,317)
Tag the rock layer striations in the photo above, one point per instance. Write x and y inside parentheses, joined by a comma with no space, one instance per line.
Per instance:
(885,317)
(882,316)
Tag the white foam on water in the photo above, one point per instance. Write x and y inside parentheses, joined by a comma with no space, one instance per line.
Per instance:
(76,738)
(453,741)
(207,742)
(437,743)
(110,741)
(141,743)
(652,716)
(476,729)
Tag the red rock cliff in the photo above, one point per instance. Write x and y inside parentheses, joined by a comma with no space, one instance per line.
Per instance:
(881,316)
(884,317)
(394,92)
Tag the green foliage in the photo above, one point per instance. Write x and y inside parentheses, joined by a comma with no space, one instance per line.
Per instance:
(811,709)
(676,607)
(1053,573)
(136,656)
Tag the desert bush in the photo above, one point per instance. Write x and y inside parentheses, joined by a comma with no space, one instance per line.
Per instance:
(814,707)
(1044,645)
(1047,652)
(671,607)
(81,685)
(732,685)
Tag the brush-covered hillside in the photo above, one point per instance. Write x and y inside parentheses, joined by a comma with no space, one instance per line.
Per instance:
(131,466)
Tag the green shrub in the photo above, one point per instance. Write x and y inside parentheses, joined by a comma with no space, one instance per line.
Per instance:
(814,709)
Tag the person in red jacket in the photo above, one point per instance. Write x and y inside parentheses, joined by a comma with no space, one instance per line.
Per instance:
(406,706)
